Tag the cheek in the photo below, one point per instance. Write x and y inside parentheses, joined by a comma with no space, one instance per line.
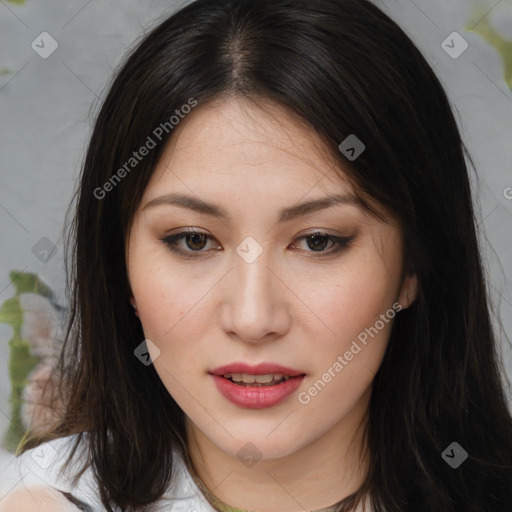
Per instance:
(167,304)
(351,300)
(355,309)
(344,362)
(165,293)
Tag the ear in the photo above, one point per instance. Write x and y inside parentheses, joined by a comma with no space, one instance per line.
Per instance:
(134,306)
(409,291)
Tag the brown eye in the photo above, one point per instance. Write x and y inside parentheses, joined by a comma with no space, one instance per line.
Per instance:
(325,244)
(189,244)
(196,241)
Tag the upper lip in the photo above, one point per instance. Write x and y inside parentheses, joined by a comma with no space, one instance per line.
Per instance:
(265,368)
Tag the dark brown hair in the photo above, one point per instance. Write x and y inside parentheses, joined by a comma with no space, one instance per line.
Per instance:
(343,67)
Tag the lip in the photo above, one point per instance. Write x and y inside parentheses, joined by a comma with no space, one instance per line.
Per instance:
(264,368)
(257,397)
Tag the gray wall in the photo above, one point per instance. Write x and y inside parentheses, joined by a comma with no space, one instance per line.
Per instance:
(45,122)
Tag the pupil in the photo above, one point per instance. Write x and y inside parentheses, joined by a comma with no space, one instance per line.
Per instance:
(318,238)
(196,238)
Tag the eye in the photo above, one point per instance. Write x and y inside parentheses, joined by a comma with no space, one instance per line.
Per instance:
(318,242)
(196,241)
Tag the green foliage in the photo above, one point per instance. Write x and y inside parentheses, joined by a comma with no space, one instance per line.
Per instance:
(494,38)
(21,361)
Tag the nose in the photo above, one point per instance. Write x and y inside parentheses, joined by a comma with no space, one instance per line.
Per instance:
(254,307)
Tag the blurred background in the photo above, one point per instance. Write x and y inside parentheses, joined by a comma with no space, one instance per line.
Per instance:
(56,59)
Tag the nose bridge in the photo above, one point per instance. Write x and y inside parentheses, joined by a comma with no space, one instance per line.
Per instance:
(254,307)
(254,286)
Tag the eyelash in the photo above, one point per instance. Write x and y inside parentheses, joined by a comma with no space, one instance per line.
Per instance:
(171,243)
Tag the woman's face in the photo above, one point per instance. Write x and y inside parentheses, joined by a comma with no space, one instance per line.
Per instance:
(256,287)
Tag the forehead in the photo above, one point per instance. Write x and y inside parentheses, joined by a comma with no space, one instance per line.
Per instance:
(262,143)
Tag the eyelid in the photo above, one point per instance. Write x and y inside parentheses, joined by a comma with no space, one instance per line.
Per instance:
(171,240)
(339,242)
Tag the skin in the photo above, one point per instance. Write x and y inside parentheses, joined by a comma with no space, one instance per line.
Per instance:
(41,499)
(287,306)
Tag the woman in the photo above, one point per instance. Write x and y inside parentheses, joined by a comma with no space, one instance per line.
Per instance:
(213,362)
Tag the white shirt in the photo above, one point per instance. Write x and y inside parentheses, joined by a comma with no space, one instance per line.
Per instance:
(39,468)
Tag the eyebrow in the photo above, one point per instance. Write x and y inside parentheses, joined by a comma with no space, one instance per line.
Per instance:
(215,210)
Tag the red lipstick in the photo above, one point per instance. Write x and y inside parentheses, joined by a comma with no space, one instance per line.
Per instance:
(254,395)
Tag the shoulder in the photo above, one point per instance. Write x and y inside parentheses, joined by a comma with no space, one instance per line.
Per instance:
(42,499)
(42,484)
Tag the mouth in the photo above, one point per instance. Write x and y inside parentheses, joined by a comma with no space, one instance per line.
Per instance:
(261,375)
(256,386)
(265,380)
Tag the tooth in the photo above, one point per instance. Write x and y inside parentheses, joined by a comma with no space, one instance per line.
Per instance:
(257,380)
(264,379)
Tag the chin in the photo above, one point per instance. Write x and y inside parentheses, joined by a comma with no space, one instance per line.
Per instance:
(260,444)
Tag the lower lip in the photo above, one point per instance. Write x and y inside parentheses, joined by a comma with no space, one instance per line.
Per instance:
(257,397)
